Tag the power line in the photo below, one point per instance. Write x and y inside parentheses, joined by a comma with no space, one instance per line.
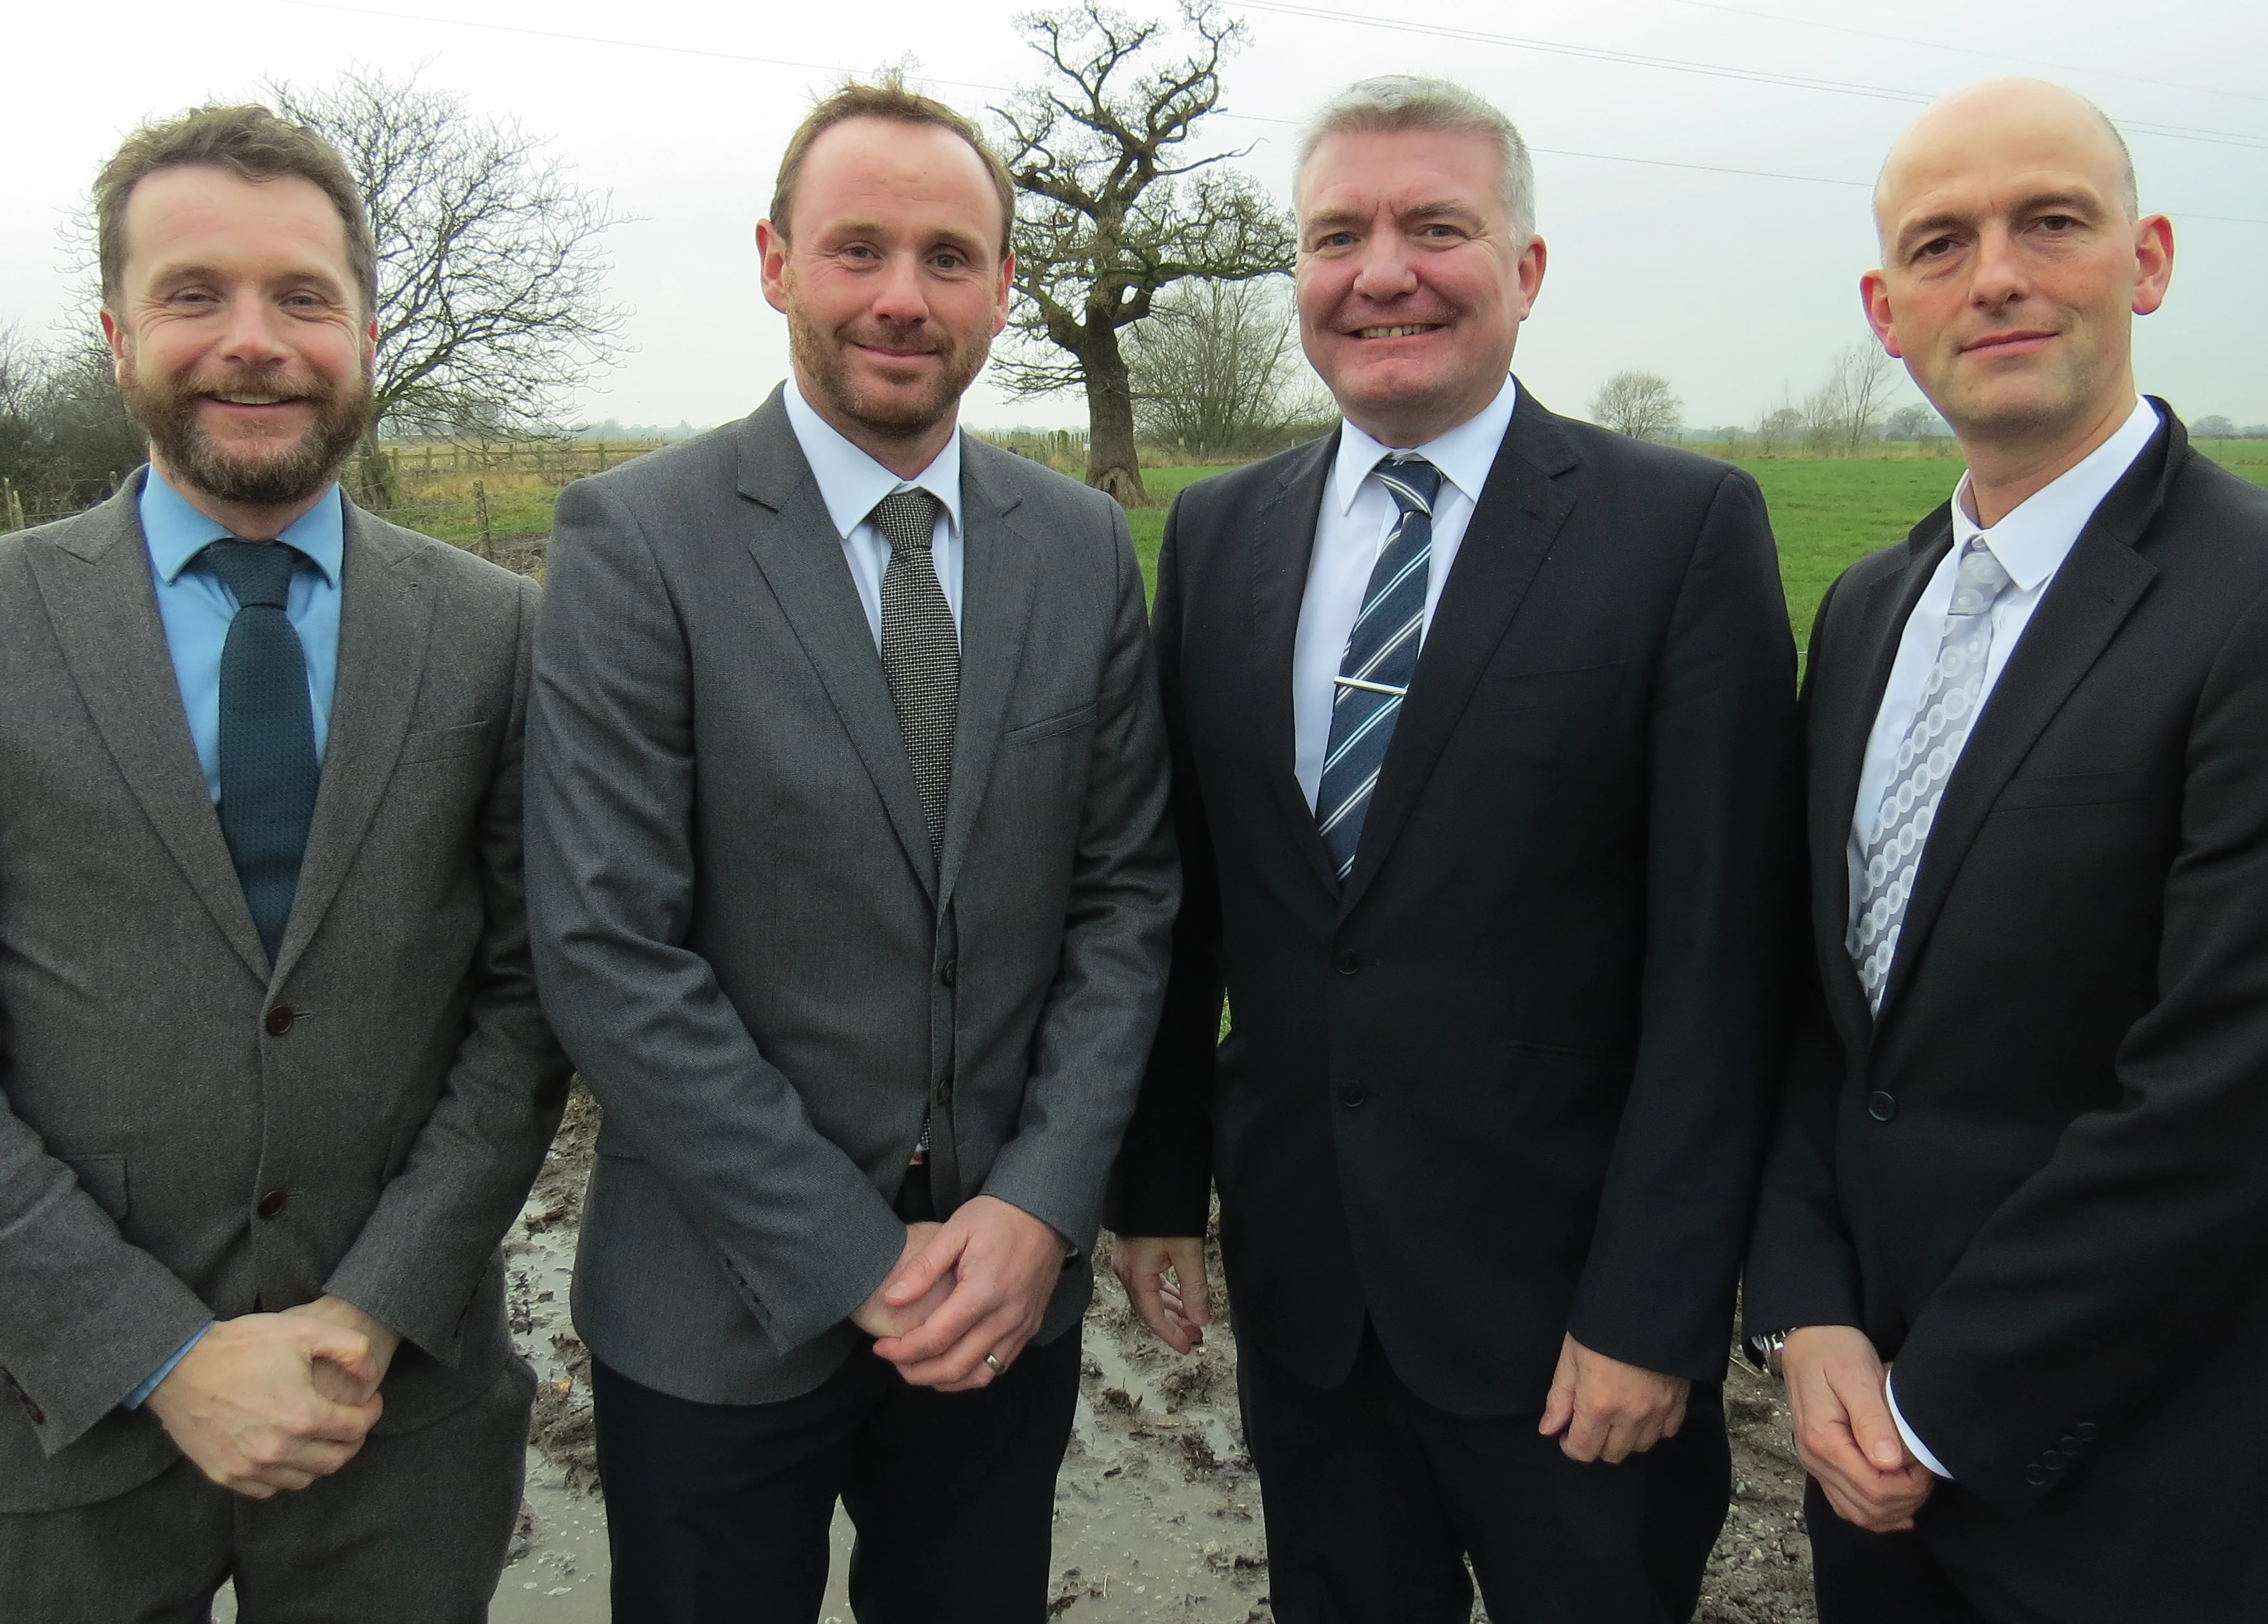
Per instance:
(1679,64)
(1961,50)
(617,43)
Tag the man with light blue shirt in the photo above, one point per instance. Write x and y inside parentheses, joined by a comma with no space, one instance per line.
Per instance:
(2011,1249)
(850,879)
(275,1079)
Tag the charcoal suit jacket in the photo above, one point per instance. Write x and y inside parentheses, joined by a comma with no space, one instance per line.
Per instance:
(187,1132)
(2037,1179)
(1510,1080)
(742,933)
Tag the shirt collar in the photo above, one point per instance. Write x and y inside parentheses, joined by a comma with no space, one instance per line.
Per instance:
(1465,454)
(176,531)
(850,482)
(2034,538)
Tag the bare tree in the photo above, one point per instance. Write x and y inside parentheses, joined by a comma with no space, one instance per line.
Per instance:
(1777,426)
(1917,419)
(65,438)
(1847,408)
(1641,405)
(491,310)
(1117,211)
(1216,369)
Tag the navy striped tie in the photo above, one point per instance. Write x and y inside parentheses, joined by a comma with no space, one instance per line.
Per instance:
(1380,657)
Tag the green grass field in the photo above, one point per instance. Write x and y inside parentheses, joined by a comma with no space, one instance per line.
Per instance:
(1827,513)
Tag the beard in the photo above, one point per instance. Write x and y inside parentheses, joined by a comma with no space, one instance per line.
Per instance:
(166,409)
(824,356)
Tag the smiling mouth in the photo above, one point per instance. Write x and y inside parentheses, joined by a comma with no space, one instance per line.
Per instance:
(1408,329)
(254,399)
(2004,340)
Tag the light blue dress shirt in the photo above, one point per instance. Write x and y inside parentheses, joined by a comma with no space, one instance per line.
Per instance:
(195,609)
(850,482)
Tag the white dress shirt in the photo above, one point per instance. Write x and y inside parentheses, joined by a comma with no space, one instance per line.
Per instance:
(1350,534)
(850,483)
(2030,542)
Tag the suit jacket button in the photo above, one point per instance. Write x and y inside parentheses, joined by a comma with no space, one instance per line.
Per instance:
(280,1019)
(1351,1095)
(2068,1444)
(2087,1432)
(949,972)
(273,1204)
(1347,962)
(1882,1105)
(2036,1476)
(2052,1461)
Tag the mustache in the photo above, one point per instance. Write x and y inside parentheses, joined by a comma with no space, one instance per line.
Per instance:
(917,337)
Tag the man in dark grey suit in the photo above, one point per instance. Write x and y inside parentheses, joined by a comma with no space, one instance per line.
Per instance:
(273,1076)
(851,884)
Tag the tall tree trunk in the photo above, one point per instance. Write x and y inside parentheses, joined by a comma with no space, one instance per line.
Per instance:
(1111,463)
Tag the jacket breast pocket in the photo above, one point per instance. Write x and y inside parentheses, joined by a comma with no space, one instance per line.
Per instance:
(2072,790)
(441,743)
(1526,690)
(103,1178)
(1048,727)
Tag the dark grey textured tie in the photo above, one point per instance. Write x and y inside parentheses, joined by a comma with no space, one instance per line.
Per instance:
(921,651)
(269,773)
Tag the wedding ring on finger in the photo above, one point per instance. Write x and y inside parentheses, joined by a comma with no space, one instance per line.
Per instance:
(992,1361)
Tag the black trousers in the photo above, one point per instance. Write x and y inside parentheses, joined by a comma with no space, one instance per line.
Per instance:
(1869,1579)
(1374,1500)
(718,1513)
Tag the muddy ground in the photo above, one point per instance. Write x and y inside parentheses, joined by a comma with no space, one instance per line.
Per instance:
(1157,1510)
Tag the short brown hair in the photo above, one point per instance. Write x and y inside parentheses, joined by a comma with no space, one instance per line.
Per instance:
(250,142)
(888,99)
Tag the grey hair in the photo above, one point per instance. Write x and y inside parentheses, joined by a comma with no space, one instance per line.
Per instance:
(1398,101)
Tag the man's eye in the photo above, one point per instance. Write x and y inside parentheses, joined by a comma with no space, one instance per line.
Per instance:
(2058,223)
(1935,248)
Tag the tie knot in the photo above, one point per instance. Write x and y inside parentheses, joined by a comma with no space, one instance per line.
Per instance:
(907,519)
(1412,481)
(1978,581)
(258,572)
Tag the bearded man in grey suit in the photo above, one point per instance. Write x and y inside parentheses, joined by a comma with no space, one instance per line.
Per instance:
(273,1076)
(851,885)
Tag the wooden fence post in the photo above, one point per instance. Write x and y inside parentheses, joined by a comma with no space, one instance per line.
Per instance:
(481,513)
(15,505)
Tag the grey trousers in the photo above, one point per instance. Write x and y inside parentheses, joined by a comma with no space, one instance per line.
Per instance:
(415,1527)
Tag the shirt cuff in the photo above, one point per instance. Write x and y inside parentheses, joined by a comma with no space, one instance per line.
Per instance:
(140,1395)
(1919,1449)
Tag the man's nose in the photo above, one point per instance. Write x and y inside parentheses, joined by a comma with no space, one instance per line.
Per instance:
(900,297)
(252,335)
(1384,270)
(2000,275)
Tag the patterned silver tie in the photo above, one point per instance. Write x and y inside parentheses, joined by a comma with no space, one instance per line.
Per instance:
(1927,755)
(921,651)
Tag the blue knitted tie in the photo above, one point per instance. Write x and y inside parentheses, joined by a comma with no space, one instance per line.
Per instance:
(1380,657)
(267,768)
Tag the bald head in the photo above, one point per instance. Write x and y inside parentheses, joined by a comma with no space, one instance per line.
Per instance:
(2008,124)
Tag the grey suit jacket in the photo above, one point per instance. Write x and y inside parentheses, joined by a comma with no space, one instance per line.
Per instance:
(186,1133)
(739,932)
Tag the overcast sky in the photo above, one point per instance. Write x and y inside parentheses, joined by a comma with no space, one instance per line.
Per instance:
(1736,286)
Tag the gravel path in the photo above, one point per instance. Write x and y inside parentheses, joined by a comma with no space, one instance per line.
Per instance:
(1157,1510)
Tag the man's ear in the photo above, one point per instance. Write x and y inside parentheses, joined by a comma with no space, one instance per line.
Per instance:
(1875,294)
(771,255)
(114,335)
(1003,295)
(2154,255)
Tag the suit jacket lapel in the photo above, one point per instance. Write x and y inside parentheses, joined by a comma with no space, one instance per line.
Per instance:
(95,583)
(999,572)
(1520,514)
(1283,547)
(797,549)
(386,613)
(1847,693)
(2090,598)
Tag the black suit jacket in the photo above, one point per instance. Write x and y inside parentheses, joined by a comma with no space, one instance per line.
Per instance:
(2037,1181)
(1510,1081)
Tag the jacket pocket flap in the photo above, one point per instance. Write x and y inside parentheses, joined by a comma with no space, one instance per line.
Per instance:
(2072,790)
(1518,689)
(438,743)
(1048,727)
